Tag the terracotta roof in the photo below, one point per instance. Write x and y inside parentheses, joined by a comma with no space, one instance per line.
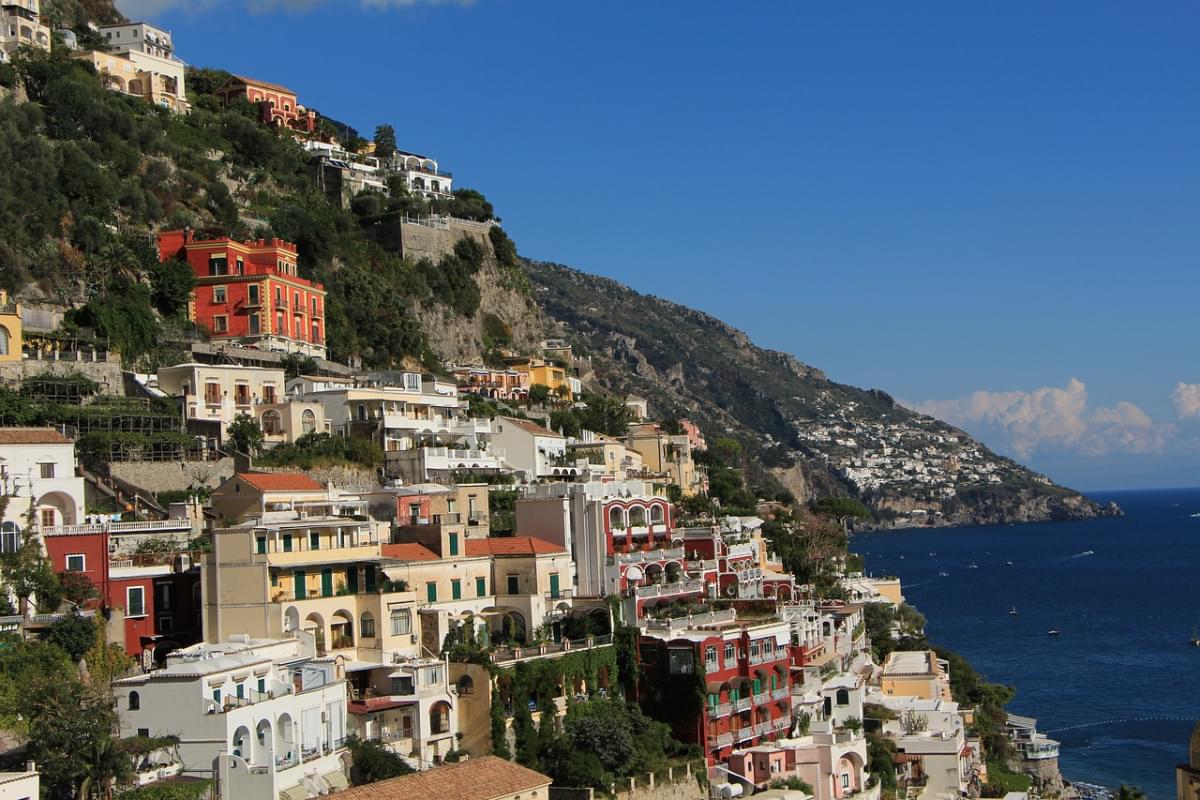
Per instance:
(281,482)
(409,551)
(531,427)
(32,436)
(263,84)
(483,778)
(511,546)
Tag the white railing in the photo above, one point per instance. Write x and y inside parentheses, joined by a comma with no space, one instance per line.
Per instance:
(739,550)
(703,565)
(720,740)
(136,526)
(720,710)
(762,697)
(781,694)
(742,704)
(650,555)
(666,589)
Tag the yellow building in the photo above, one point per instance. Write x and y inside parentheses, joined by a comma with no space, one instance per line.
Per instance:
(916,674)
(546,373)
(11,337)
(156,79)
(1187,776)
(667,454)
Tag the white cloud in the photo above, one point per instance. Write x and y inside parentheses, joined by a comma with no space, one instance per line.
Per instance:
(1187,399)
(137,9)
(1052,419)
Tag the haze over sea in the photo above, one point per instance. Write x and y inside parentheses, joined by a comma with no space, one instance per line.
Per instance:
(1121,685)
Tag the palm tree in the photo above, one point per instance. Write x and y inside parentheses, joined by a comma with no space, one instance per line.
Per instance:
(1130,793)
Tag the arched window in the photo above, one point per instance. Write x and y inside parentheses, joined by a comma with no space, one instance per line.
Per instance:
(366,625)
(616,518)
(135,701)
(843,697)
(466,685)
(308,421)
(656,514)
(439,718)
(637,517)
(272,423)
(3,341)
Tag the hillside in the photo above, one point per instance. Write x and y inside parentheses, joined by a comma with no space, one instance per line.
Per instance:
(93,174)
(809,434)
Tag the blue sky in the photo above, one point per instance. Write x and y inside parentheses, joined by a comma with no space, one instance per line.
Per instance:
(987,209)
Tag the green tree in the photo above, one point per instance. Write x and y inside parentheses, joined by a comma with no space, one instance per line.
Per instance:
(295,365)
(385,141)
(74,634)
(29,574)
(539,394)
(21,665)
(171,284)
(77,587)
(374,761)
(843,509)
(1130,793)
(70,736)
(246,435)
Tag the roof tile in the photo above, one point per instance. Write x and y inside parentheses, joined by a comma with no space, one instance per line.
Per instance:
(483,778)
(281,482)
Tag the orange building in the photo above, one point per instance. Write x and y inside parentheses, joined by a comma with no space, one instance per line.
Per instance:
(278,103)
(250,293)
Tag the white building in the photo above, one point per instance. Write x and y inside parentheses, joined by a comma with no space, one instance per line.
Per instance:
(21,26)
(422,425)
(532,451)
(37,475)
(422,176)
(262,717)
(20,785)
(138,37)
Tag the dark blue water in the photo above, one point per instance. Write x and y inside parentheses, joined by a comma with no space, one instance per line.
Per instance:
(1121,684)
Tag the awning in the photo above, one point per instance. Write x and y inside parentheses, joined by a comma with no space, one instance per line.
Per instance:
(296,792)
(337,780)
(360,666)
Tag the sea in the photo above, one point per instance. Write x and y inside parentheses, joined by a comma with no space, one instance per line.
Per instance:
(1119,687)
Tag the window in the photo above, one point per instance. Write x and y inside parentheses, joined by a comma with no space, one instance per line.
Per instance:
(135,701)
(843,697)
(217,696)
(456,589)
(76,562)
(164,597)
(314,540)
(514,584)
(480,587)
(135,601)
(554,588)
(466,685)
(287,543)
(254,325)
(728,655)
(453,544)
(308,421)
(366,626)
(260,545)
(47,470)
(212,394)
(240,690)
(845,780)
(252,295)
(241,394)
(401,621)
(710,657)
(220,323)
(270,395)
(218,266)
(143,733)
(48,518)
(219,295)
(166,624)
(754,649)
(431,591)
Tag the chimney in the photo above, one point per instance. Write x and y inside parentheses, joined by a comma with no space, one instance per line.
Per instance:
(30,766)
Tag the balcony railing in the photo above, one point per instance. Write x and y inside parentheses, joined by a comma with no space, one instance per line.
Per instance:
(561,594)
(720,710)
(762,697)
(720,740)
(642,556)
(781,694)
(742,704)
(667,589)
(745,734)
(136,526)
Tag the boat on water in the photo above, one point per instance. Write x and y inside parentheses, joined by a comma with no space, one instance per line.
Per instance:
(1053,632)
(1008,563)
(1197,514)
(1012,612)
(943,574)
(972,565)
(1195,638)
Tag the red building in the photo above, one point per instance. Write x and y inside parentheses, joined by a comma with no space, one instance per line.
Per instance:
(250,292)
(746,672)
(278,103)
(157,604)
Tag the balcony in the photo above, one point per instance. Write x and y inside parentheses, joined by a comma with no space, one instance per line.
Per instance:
(642,556)
(139,526)
(740,550)
(762,698)
(720,740)
(781,694)
(720,710)
(444,458)
(668,589)
(745,734)
(561,594)
(510,655)
(742,704)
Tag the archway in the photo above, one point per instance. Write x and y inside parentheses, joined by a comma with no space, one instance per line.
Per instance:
(341,630)
(241,742)
(439,717)
(265,741)
(272,423)
(847,775)
(291,619)
(285,741)
(314,623)
(654,573)
(637,517)
(4,341)
(616,518)
(674,572)
(56,508)
(308,421)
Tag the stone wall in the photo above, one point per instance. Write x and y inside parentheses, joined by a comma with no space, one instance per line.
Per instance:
(173,476)
(107,373)
(348,477)
(678,784)
(422,241)
(1045,773)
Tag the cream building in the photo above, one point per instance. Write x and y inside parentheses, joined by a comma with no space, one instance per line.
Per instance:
(21,26)
(668,455)
(213,395)
(916,674)
(21,785)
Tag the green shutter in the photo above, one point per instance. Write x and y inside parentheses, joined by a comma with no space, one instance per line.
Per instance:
(431,592)
(352,579)
(327,582)
(456,589)
(287,543)
(370,568)
(298,584)
(757,686)
(480,587)
(514,584)
(261,544)
(554,585)
(454,544)
(314,540)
